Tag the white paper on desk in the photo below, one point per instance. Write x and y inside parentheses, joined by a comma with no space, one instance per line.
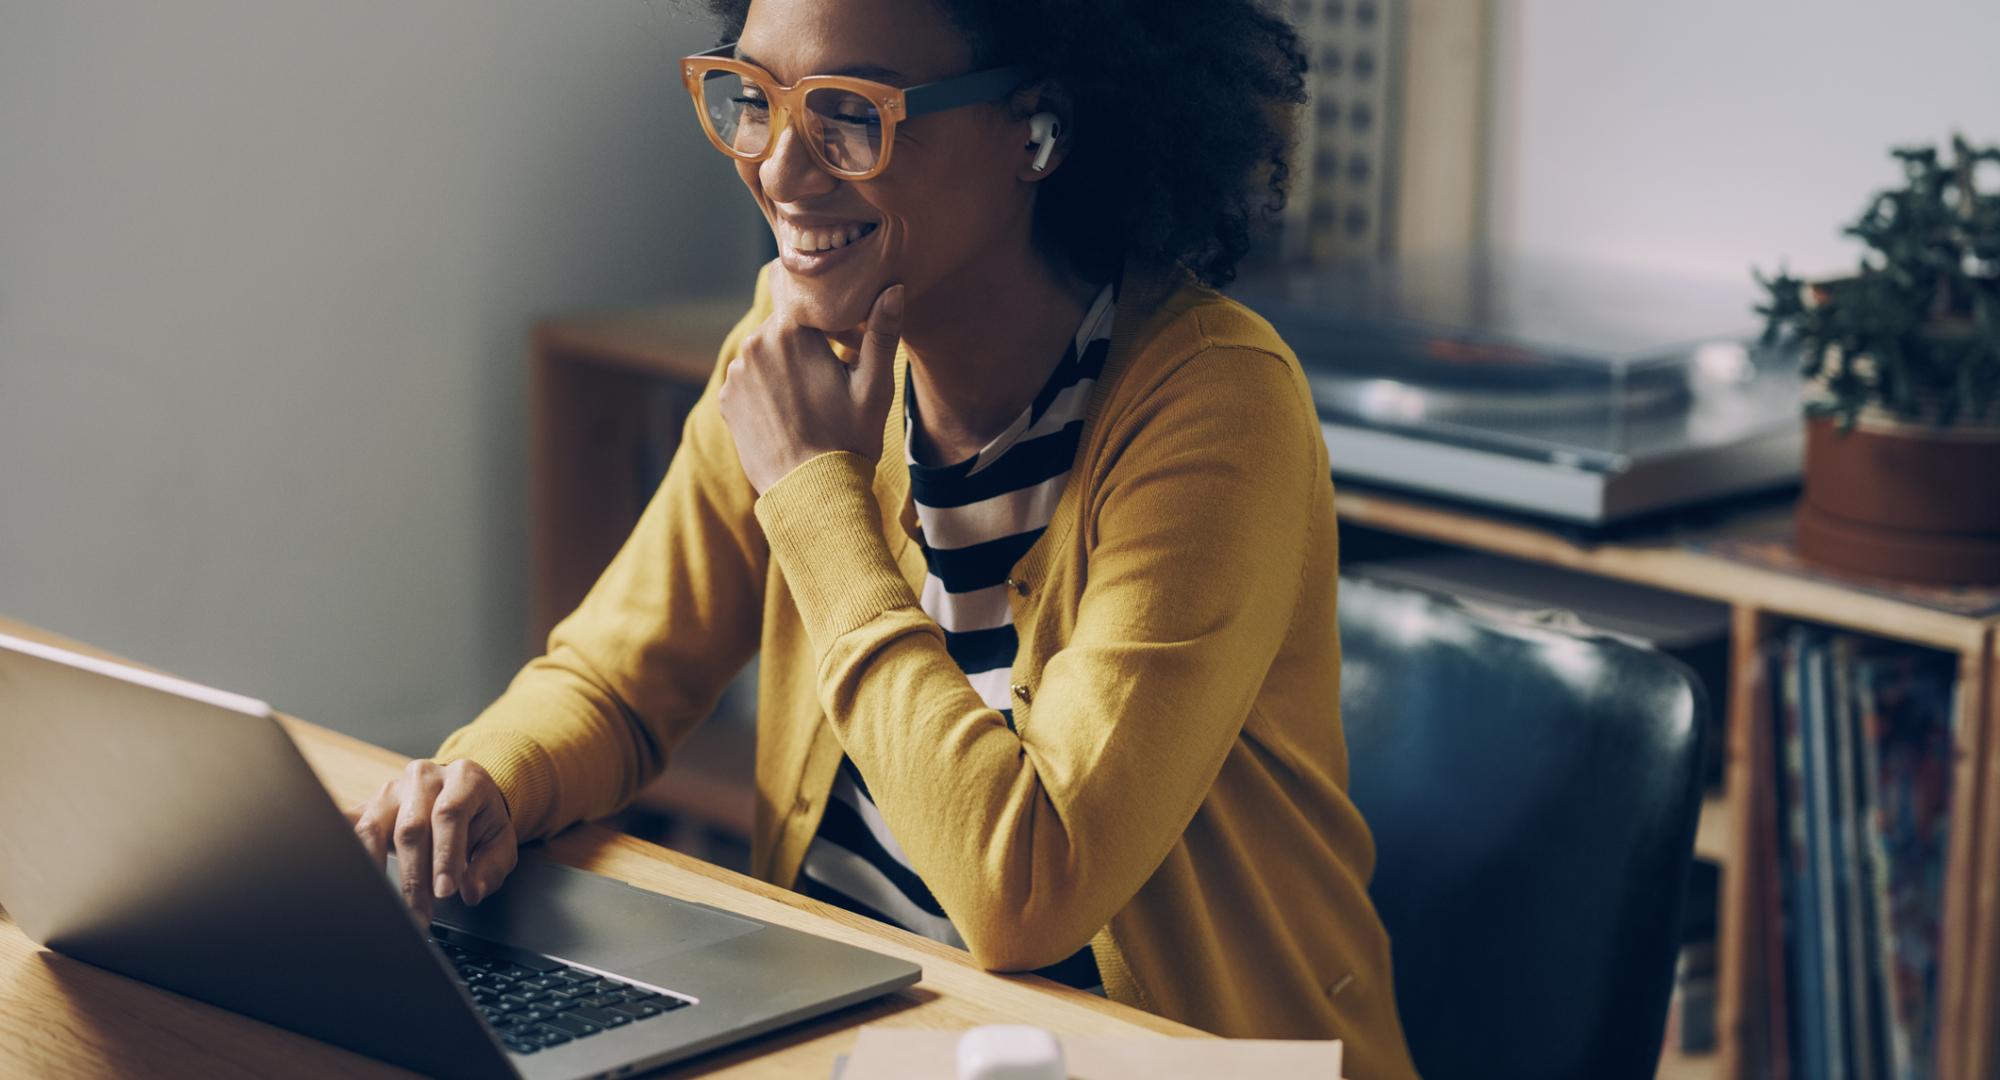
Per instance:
(894,1053)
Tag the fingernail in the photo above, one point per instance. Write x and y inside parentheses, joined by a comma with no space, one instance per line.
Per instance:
(474,894)
(443,886)
(893,303)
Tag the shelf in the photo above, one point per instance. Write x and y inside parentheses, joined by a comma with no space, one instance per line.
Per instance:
(674,341)
(1666,563)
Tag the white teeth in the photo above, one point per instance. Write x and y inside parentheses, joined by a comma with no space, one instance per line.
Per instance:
(823,239)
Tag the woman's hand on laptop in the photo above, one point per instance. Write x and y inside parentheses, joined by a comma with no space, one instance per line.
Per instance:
(451,828)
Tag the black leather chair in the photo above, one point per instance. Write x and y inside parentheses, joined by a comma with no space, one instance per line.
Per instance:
(1533,795)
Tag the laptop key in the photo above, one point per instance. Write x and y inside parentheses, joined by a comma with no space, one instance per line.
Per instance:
(600,1017)
(572,1026)
(638,1011)
(546,1035)
(601,1000)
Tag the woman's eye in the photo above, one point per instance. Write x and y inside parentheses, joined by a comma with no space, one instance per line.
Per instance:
(871,119)
(749,102)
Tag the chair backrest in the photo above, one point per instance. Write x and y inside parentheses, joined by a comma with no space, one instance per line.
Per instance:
(1533,796)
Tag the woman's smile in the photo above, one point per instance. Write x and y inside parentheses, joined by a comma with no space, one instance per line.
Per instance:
(807,247)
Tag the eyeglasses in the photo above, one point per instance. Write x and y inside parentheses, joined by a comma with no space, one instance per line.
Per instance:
(849,124)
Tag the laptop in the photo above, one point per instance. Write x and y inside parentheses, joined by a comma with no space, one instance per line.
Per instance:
(173,833)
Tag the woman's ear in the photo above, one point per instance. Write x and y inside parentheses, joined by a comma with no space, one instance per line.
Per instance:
(1042,116)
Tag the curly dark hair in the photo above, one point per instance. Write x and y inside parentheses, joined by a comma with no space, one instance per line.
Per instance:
(1184,111)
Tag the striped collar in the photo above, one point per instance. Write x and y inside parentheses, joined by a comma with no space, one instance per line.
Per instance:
(1140,294)
(1096,324)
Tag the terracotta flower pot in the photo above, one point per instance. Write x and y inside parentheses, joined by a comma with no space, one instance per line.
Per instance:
(1910,501)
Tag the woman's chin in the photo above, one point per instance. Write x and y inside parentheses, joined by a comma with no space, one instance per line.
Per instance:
(825,306)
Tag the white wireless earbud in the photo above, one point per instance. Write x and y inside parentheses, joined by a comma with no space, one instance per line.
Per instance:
(1043,130)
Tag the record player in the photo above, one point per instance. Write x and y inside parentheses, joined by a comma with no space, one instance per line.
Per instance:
(1584,394)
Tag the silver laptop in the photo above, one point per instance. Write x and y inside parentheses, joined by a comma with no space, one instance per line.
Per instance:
(173,833)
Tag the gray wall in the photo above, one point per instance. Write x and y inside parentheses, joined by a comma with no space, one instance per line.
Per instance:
(265,276)
(1705,136)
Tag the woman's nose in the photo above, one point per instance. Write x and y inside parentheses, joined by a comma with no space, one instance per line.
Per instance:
(790,173)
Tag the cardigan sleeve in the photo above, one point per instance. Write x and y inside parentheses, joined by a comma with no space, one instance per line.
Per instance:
(1032,839)
(647,654)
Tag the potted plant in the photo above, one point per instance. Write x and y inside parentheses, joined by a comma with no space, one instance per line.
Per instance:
(1902,361)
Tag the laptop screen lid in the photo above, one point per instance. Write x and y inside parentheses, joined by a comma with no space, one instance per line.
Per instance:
(173,833)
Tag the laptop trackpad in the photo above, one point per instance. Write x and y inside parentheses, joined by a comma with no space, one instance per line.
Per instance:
(546,907)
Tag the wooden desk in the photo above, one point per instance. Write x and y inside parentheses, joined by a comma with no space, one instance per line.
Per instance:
(61,1018)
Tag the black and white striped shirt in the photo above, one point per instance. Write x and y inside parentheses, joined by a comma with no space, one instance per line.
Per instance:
(978,517)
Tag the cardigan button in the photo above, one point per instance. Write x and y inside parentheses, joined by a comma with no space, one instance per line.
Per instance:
(1021,691)
(1018,585)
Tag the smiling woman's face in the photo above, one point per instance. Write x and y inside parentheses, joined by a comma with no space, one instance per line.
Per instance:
(952,191)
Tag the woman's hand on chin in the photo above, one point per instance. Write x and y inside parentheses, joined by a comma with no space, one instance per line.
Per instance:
(787,398)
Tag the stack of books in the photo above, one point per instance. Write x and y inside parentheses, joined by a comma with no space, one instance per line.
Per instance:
(1863,733)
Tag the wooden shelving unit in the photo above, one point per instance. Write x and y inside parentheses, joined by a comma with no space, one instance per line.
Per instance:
(607,385)
(1762,602)
(604,386)
(610,391)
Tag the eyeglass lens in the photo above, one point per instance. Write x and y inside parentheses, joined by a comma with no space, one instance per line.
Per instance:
(845,127)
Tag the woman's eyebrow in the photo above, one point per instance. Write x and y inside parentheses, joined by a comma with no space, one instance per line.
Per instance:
(855,71)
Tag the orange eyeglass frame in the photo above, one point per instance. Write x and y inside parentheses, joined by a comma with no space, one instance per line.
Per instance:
(893,103)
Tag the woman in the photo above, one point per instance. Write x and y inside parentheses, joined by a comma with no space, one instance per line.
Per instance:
(1033,529)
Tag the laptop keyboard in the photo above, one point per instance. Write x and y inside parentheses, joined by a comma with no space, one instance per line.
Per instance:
(535,1003)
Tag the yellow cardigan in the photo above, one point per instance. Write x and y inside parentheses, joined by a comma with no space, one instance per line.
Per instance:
(1173,793)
